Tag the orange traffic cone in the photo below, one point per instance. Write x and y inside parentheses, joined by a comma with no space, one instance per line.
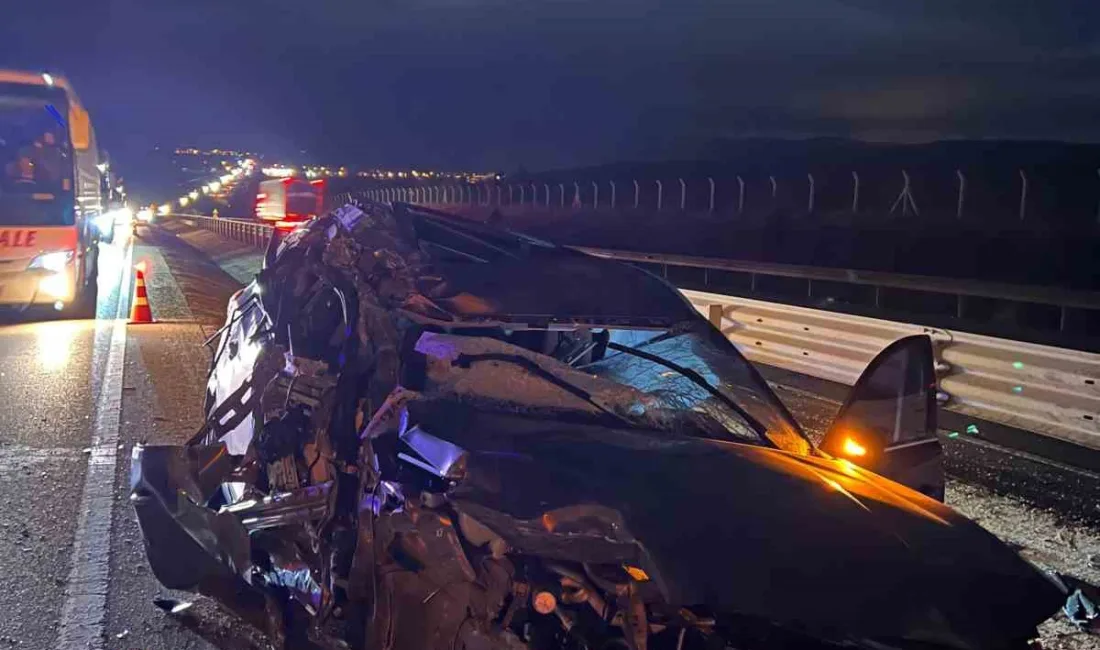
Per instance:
(139,306)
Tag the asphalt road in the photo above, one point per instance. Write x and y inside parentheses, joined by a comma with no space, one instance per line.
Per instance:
(76,395)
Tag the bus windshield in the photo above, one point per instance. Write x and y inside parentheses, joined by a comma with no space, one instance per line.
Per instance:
(36,170)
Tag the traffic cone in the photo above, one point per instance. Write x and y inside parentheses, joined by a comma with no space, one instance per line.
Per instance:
(139,306)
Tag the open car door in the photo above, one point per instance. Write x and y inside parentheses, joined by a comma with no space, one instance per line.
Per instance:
(888,423)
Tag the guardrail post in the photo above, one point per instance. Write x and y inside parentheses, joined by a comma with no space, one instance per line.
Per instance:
(595,195)
(660,195)
(683,195)
(637,194)
(962,193)
(775,188)
(855,193)
(810,204)
(576,194)
(511,193)
(714,315)
(522,194)
(710,181)
(740,195)
(1023,194)
(612,183)
(534,194)
(546,186)
(561,188)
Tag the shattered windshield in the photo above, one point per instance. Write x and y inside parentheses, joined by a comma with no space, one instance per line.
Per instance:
(726,370)
(630,390)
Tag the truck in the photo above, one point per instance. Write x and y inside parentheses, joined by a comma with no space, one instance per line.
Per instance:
(289,200)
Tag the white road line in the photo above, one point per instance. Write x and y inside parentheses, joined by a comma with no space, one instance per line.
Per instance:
(84,612)
(17,457)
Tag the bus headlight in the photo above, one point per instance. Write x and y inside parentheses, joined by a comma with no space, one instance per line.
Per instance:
(56,285)
(56,261)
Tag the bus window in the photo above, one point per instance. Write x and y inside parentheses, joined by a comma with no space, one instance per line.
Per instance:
(36,170)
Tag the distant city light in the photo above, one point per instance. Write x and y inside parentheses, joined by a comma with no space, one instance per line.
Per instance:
(184,201)
(194,194)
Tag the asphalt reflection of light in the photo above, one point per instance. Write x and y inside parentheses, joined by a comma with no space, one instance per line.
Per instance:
(114,262)
(55,342)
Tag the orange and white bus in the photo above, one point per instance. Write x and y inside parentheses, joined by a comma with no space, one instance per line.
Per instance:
(50,194)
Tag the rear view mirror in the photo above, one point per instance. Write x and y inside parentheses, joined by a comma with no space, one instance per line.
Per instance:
(80,128)
(888,423)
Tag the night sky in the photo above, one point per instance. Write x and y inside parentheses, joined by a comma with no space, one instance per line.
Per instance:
(555,83)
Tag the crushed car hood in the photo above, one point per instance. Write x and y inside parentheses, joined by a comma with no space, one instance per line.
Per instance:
(748,529)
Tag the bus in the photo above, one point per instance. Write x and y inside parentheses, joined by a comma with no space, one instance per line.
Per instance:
(50,194)
(289,201)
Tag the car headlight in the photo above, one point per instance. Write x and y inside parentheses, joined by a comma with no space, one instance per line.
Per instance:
(122,216)
(104,222)
(55,262)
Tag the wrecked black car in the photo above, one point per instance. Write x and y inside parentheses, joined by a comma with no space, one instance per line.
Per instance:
(425,433)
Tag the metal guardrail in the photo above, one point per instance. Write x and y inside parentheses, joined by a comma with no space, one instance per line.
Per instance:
(246,232)
(1048,390)
(1062,298)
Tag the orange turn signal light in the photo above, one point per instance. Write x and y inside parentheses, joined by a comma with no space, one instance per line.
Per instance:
(853,448)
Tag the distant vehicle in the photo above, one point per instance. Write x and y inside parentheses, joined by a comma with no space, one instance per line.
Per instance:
(289,200)
(51,205)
